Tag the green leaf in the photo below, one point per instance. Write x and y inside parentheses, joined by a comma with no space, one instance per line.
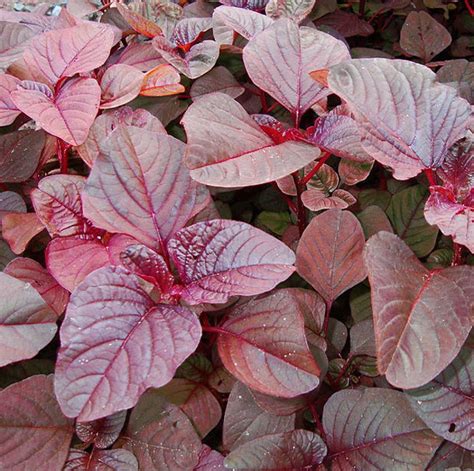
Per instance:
(359,300)
(374,198)
(406,215)
(276,222)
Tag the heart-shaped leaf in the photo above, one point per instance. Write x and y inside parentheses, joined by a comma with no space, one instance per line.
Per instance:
(415,341)
(120,84)
(329,255)
(111,317)
(33,430)
(219,258)
(227,148)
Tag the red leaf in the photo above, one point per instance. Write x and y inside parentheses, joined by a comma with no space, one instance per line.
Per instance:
(68,115)
(101,460)
(138,22)
(162,81)
(102,432)
(329,255)
(376,426)
(414,340)
(227,148)
(346,24)
(33,430)
(120,84)
(210,460)
(8,110)
(14,38)
(219,258)
(156,194)
(263,344)
(30,271)
(116,343)
(219,79)
(18,229)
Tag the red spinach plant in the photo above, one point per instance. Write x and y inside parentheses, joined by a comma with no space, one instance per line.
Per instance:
(245,240)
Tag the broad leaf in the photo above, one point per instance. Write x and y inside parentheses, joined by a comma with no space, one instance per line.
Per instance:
(210,460)
(270,61)
(18,229)
(138,186)
(163,80)
(102,432)
(352,172)
(8,109)
(291,450)
(116,343)
(120,84)
(67,115)
(27,323)
(421,317)
(377,428)
(316,200)
(14,38)
(138,22)
(346,24)
(101,460)
(227,148)
(33,431)
(296,10)
(219,258)
(329,255)
(451,456)
(373,219)
(263,344)
(407,120)
(219,79)
(459,74)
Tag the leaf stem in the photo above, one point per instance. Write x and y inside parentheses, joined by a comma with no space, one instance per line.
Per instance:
(317,421)
(316,168)
(469,7)
(62,151)
(326,318)
(362,8)
(430,176)
(214,330)
(300,209)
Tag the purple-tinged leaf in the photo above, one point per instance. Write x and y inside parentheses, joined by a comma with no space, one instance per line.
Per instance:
(282,406)
(415,341)
(70,51)
(263,344)
(270,60)
(373,219)
(196,401)
(189,30)
(68,115)
(6,255)
(116,343)
(220,258)
(11,202)
(163,80)
(33,431)
(296,10)
(120,84)
(244,420)
(8,110)
(353,172)
(316,200)
(71,259)
(459,74)
(363,338)
(218,79)
(161,436)
(58,205)
(346,24)
(376,427)
(227,148)
(102,432)
(138,22)
(14,38)
(255,5)
(407,120)
(143,56)
(30,271)
(101,460)
(299,449)
(446,404)
(138,186)
(19,228)
(198,60)
(451,456)
(329,255)
(107,122)
(210,460)
(20,153)
(422,36)
(27,323)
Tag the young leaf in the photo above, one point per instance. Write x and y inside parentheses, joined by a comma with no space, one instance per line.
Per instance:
(389,98)
(138,186)
(68,115)
(138,22)
(116,343)
(346,24)
(329,255)
(316,200)
(97,460)
(376,426)
(270,61)
(102,432)
(163,80)
(296,10)
(120,84)
(18,229)
(290,450)
(227,148)
(352,172)
(219,258)
(263,344)
(33,430)
(421,317)
(69,51)
(8,109)
(446,404)
(27,324)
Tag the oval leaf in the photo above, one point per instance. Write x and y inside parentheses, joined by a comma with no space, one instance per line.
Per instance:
(120,84)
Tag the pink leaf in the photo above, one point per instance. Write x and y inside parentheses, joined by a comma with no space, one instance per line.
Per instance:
(218,79)
(27,324)
(376,426)
(138,186)
(189,30)
(33,430)
(14,38)
(210,460)
(296,10)
(69,115)
(102,432)
(219,258)
(18,229)
(120,84)
(227,148)
(30,271)
(270,62)
(70,51)
(143,56)
(407,120)
(138,22)
(254,5)
(329,255)
(101,460)
(163,80)
(107,122)
(8,110)
(353,172)
(263,344)
(415,341)
(116,343)
(316,200)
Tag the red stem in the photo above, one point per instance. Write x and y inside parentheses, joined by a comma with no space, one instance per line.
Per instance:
(214,330)
(263,101)
(300,209)
(318,423)
(62,151)
(315,169)
(430,176)
(326,318)
(457,257)
(362,8)
(469,7)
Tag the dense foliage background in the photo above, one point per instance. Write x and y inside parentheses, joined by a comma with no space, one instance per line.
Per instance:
(236,235)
